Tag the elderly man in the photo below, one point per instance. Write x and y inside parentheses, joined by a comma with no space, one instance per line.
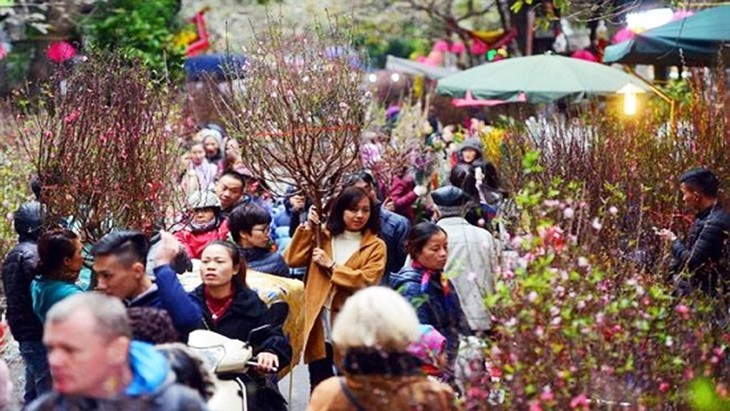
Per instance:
(472,255)
(96,365)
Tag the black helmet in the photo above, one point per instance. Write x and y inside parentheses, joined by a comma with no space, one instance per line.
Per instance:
(28,220)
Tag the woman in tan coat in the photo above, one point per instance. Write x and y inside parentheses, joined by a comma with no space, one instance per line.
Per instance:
(349,258)
(379,373)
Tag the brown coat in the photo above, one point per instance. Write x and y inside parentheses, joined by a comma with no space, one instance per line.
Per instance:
(380,393)
(364,268)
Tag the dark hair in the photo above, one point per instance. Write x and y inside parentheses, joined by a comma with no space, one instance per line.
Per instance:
(234,174)
(362,175)
(701,180)
(348,200)
(128,246)
(419,236)
(189,368)
(54,247)
(152,325)
(461,176)
(239,262)
(244,217)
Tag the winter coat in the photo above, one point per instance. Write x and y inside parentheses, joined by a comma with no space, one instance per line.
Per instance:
(194,243)
(46,293)
(265,261)
(17,273)
(375,390)
(403,196)
(471,263)
(394,232)
(168,294)
(703,251)
(246,313)
(364,268)
(431,306)
(152,388)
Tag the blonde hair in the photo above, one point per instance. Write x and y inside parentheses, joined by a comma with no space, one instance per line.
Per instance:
(376,317)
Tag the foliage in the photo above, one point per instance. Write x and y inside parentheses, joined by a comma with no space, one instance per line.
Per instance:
(142,29)
(301,109)
(101,144)
(15,169)
(584,312)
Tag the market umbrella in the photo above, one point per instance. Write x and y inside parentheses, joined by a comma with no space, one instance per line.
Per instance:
(540,78)
(695,40)
(413,67)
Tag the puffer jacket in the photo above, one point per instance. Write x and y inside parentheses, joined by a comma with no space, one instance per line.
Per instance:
(431,306)
(703,251)
(394,232)
(17,275)
(265,261)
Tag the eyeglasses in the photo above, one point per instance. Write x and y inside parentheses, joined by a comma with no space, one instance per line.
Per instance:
(264,229)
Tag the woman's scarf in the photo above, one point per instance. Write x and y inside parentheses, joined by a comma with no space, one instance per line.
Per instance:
(426,276)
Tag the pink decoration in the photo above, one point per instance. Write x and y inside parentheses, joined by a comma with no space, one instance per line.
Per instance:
(421,59)
(470,101)
(458,47)
(441,46)
(681,14)
(3,52)
(60,51)
(436,57)
(585,55)
(479,47)
(623,35)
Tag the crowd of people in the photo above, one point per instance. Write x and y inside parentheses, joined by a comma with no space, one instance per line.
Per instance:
(394,283)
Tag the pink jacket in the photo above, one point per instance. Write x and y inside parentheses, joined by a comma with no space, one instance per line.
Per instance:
(195,243)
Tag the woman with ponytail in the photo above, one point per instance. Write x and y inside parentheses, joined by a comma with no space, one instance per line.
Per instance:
(232,309)
(60,261)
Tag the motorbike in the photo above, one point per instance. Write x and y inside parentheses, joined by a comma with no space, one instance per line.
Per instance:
(228,359)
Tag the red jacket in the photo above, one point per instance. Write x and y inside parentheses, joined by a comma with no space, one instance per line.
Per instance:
(195,243)
(403,196)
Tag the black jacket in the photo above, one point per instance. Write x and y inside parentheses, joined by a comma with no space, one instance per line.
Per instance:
(245,314)
(703,252)
(394,232)
(17,272)
(265,261)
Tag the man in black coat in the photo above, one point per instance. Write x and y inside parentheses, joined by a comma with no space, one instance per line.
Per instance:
(17,272)
(703,253)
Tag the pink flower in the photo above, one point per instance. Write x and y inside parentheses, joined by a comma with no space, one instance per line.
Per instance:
(664,386)
(72,117)
(535,406)
(579,401)
(683,311)
(547,396)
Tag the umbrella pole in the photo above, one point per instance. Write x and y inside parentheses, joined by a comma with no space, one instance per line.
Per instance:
(671,101)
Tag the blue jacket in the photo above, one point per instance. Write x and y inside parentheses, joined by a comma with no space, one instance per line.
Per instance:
(152,388)
(394,232)
(265,261)
(46,293)
(431,307)
(170,296)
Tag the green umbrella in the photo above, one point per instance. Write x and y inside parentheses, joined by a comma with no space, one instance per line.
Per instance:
(699,37)
(541,78)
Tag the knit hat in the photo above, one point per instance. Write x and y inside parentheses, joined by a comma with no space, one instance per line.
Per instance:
(27,220)
(209,132)
(450,200)
(429,346)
